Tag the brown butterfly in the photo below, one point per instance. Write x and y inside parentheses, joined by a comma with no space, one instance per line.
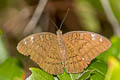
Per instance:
(73,50)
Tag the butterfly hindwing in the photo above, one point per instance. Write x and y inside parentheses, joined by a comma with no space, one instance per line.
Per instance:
(43,49)
(81,48)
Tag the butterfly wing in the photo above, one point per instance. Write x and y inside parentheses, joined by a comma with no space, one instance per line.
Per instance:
(43,49)
(81,48)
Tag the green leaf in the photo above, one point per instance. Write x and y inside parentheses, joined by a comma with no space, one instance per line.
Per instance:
(113,72)
(79,76)
(67,76)
(113,51)
(115,46)
(64,76)
(115,6)
(3,50)
(11,70)
(38,74)
(0,32)
(97,70)
(97,76)
(99,66)
(85,75)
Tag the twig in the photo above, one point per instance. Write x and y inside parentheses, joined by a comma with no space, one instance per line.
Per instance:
(36,16)
(82,74)
(112,19)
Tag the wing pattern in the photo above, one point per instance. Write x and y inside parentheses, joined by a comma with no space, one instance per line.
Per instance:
(43,49)
(81,48)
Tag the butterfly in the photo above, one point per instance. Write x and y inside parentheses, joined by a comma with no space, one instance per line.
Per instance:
(72,51)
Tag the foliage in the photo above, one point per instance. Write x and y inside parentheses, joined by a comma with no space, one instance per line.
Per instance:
(38,74)
(113,69)
(67,76)
(96,70)
(0,32)
(3,49)
(106,66)
(11,70)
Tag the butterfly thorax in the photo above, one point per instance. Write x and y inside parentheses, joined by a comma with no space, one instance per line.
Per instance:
(61,45)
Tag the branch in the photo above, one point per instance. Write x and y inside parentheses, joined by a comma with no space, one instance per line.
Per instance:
(111,18)
(36,16)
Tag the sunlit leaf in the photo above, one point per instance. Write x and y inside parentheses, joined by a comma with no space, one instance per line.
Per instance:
(113,72)
(38,74)
(115,47)
(11,70)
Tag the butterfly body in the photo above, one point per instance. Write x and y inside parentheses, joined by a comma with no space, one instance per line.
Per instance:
(73,50)
(61,45)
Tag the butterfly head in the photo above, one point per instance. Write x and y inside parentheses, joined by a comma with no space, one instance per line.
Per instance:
(59,31)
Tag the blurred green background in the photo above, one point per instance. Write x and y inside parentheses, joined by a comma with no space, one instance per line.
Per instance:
(100,16)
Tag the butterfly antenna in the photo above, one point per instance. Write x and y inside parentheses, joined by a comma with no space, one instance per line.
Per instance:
(64,19)
(54,24)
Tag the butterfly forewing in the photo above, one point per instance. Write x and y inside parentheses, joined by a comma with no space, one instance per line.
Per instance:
(81,48)
(43,49)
